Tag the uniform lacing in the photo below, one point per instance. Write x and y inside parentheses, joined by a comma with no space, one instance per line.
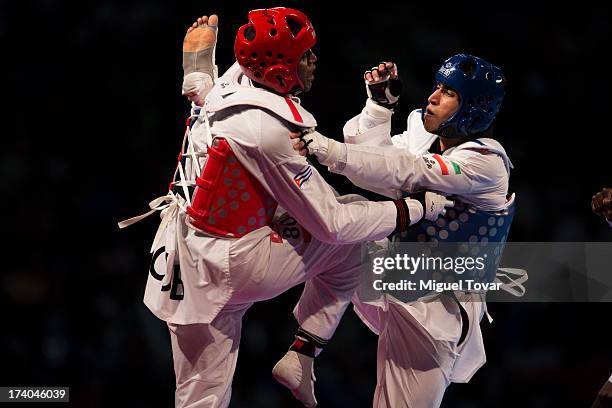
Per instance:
(171,202)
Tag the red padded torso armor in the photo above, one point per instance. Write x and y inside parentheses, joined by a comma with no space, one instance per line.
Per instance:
(228,201)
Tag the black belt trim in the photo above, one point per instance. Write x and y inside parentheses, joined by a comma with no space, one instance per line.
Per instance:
(465,320)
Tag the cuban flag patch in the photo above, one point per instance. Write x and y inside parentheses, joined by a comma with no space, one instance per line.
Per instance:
(303,176)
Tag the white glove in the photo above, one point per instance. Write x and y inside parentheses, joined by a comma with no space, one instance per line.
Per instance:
(435,205)
(314,143)
(326,150)
(427,205)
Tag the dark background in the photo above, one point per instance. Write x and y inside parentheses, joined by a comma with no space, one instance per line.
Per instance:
(92,121)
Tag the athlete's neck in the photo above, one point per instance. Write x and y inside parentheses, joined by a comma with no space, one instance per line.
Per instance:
(446,143)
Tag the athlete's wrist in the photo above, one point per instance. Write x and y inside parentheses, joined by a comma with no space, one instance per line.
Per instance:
(409,212)
(415,209)
(377,112)
(326,150)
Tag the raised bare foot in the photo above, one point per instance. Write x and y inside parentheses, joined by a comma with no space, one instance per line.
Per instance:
(199,66)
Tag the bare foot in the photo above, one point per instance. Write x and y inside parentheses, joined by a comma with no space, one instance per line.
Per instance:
(199,58)
(202,34)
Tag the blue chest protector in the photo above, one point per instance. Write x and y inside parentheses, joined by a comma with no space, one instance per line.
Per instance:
(462,233)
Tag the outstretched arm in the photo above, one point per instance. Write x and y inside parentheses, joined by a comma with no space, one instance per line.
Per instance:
(383,87)
(391,167)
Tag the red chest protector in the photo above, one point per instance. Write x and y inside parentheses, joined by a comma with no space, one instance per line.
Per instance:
(228,201)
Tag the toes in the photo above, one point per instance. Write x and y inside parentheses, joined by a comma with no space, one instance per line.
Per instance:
(190,29)
(213,20)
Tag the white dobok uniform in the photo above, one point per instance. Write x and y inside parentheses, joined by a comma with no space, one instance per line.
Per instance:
(418,355)
(221,277)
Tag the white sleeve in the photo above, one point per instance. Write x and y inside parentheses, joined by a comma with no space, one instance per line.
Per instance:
(397,168)
(313,204)
(301,190)
(373,115)
(372,127)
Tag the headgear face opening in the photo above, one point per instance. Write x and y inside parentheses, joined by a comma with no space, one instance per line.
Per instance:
(480,86)
(269,47)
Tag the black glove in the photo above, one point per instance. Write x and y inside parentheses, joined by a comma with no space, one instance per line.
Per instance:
(387,90)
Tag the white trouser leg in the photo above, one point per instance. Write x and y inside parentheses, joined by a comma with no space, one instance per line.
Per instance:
(328,293)
(261,269)
(413,369)
(205,359)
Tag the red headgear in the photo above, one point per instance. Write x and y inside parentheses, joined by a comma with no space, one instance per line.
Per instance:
(270,46)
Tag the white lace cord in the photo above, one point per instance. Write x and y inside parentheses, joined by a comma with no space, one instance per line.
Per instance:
(178,164)
(170,199)
(188,151)
(167,215)
(170,203)
(486,311)
(158,204)
(192,153)
(513,284)
(184,184)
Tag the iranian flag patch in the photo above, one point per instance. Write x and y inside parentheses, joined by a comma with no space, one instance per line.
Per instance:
(442,162)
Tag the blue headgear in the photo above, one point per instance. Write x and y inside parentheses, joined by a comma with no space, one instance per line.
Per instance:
(481,90)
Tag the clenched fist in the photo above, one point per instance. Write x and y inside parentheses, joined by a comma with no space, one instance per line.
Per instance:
(383,84)
(601,203)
